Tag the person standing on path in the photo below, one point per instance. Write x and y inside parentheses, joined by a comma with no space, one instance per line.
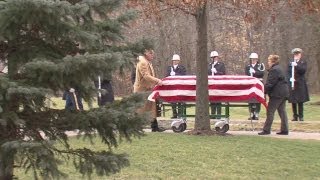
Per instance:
(277,89)
(299,93)
(176,69)
(255,69)
(216,68)
(145,81)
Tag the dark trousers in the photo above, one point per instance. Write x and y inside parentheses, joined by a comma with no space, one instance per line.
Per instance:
(273,105)
(215,109)
(299,113)
(177,109)
(254,108)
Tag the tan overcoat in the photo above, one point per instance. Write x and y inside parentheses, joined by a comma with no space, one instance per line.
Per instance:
(145,81)
(145,76)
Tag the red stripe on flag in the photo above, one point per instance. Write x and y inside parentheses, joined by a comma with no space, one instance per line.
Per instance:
(219,83)
(172,78)
(211,87)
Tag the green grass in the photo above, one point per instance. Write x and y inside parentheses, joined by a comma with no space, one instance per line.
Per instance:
(239,115)
(181,156)
(311,111)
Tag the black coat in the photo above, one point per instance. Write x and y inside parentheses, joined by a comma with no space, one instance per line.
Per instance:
(258,68)
(180,70)
(221,70)
(300,92)
(276,85)
(107,95)
(69,97)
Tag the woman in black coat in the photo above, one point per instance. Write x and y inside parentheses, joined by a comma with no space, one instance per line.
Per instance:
(277,89)
(299,91)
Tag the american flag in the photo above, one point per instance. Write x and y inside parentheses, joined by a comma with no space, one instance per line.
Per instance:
(226,88)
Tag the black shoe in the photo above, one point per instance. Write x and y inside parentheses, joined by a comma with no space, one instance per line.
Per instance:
(158,129)
(263,133)
(283,133)
(250,118)
(294,119)
(255,118)
(300,119)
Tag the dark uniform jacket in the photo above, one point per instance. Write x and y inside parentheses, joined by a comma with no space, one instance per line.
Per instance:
(179,71)
(107,95)
(258,68)
(221,70)
(300,92)
(276,85)
(72,99)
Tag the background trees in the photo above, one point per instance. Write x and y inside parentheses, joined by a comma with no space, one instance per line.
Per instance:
(40,40)
(49,47)
(235,29)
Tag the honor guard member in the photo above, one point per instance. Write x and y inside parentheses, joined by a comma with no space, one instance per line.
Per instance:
(255,69)
(73,100)
(216,68)
(299,90)
(176,69)
(105,94)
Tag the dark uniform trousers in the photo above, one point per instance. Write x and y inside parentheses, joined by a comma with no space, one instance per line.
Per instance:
(297,113)
(221,70)
(180,70)
(273,105)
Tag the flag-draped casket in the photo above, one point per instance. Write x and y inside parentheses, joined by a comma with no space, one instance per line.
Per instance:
(227,88)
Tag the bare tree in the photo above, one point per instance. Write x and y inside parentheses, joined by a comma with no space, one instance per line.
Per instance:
(253,17)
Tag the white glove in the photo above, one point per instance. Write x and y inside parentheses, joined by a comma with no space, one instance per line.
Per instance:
(71,90)
(292,80)
(172,73)
(252,71)
(294,64)
(214,70)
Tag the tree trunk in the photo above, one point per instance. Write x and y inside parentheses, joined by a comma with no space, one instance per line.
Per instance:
(202,120)
(162,64)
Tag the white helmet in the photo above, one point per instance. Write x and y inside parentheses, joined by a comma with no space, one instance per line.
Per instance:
(175,57)
(296,50)
(253,56)
(214,54)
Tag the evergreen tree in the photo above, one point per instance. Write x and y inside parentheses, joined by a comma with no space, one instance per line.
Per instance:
(51,46)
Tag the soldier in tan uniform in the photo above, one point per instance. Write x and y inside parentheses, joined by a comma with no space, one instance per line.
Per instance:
(145,81)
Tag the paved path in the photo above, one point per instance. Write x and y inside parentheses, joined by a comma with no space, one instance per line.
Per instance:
(292,135)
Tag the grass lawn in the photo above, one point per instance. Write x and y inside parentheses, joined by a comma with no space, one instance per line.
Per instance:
(239,115)
(311,111)
(181,156)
